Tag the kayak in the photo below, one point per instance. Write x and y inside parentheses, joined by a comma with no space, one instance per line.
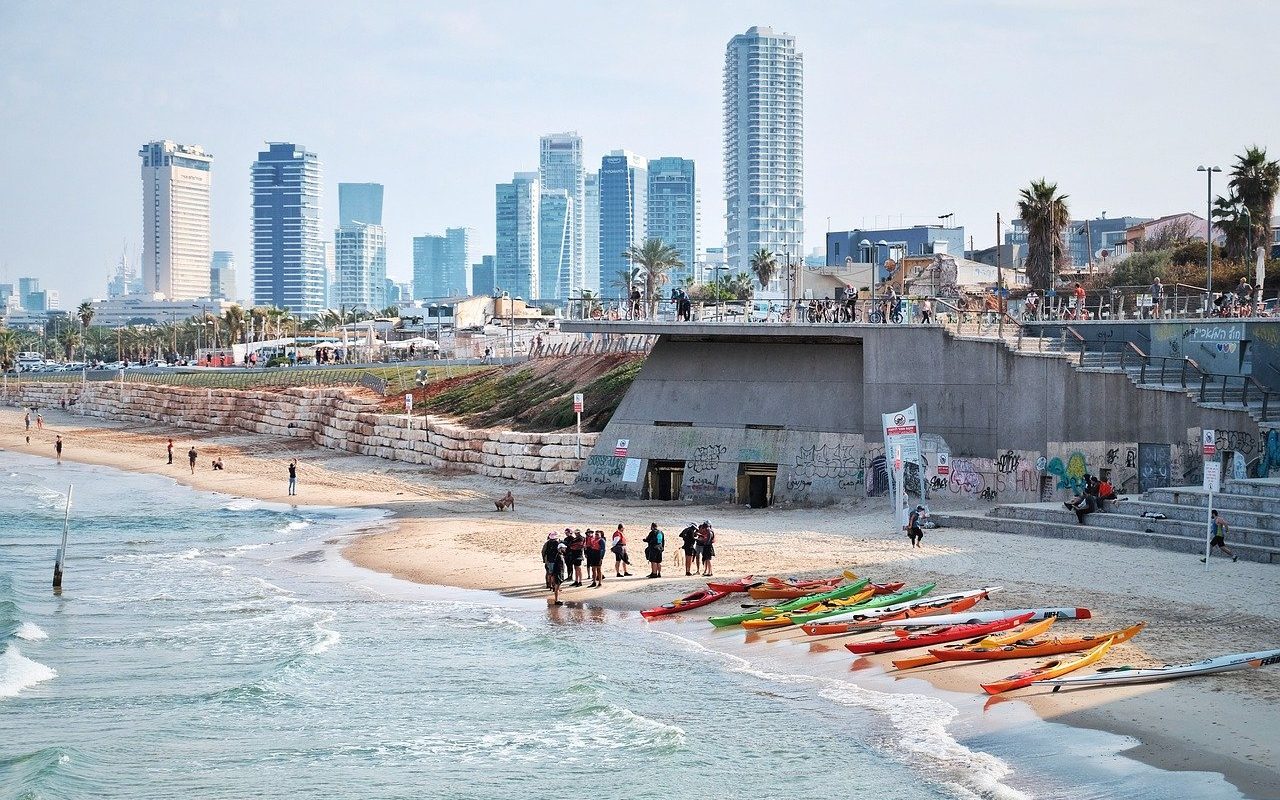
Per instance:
(788,617)
(888,588)
(987,616)
(740,585)
(1034,629)
(696,599)
(1037,648)
(869,619)
(875,602)
(834,594)
(1049,669)
(791,591)
(1118,676)
(905,641)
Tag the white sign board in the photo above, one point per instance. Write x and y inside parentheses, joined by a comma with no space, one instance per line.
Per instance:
(577,402)
(944,463)
(631,472)
(1212,476)
(902,430)
(408,402)
(1210,442)
(620,449)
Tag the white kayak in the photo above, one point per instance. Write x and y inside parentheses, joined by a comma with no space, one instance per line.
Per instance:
(898,608)
(973,617)
(1117,676)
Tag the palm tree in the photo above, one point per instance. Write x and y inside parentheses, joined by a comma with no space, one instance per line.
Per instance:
(624,279)
(85,313)
(390,311)
(765,266)
(654,258)
(1230,218)
(10,346)
(68,339)
(1044,213)
(233,323)
(1254,183)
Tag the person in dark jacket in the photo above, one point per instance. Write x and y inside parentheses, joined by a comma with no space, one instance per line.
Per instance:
(655,543)
(688,543)
(553,563)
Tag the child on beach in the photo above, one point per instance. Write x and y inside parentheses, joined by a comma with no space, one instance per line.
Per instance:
(1218,530)
(621,563)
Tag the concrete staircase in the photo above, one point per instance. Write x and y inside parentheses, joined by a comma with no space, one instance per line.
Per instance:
(1250,507)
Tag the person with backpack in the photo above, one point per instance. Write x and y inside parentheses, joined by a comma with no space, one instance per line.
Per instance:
(621,563)
(575,546)
(706,539)
(593,548)
(655,543)
(915,529)
(689,543)
(553,562)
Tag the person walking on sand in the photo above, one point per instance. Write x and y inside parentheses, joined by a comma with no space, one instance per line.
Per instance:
(553,563)
(915,532)
(192,455)
(689,544)
(293,477)
(1218,530)
(707,546)
(26,421)
(57,448)
(655,543)
(621,562)
(170,451)
(39,421)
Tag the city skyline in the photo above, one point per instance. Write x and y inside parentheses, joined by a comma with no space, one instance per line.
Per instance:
(958,124)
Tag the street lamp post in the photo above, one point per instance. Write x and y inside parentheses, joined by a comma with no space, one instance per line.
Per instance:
(1208,235)
(866,243)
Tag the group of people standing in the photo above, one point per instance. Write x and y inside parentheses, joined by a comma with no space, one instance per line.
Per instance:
(564,554)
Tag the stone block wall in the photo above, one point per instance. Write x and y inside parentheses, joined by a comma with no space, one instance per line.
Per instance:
(334,418)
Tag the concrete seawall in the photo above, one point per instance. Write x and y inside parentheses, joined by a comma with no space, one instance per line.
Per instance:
(335,418)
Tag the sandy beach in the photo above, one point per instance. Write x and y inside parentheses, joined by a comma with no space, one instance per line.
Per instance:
(445,531)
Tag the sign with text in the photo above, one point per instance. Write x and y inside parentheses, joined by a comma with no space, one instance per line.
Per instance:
(577,403)
(631,472)
(944,463)
(1212,476)
(408,402)
(902,430)
(620,449)
(1210,443)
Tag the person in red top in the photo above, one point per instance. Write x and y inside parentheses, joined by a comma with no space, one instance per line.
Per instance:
(1079,307)
(621,564)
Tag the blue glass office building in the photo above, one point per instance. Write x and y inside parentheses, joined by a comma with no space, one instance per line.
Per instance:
(624,189)
(673,210)
(288,254)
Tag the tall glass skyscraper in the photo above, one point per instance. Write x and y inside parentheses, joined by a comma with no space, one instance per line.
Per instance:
(441,264)
(624,187)
(560,168)
(288,254)
(516,259)
(175,220)
(763,146)
(360,202)
(222,276)
(482,280)
(591,232)
(555,244)
(673,210)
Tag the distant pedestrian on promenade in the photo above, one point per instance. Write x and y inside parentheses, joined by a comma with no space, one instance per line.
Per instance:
(1218,530)
(655,543)
(1157,298)
(293,477)
(170,451)
(915,531)
(192,455)
(926,311)
(621,562)
(553,564)
(57,448)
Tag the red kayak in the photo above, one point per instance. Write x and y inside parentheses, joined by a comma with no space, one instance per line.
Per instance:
(951,633)
(740,585)
(887,588)
(692,600)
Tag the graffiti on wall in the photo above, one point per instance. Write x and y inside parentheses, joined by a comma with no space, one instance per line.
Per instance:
(1154,469)
(828,461)
(1070,474)
(1236,441)
(602,470)
(706,458)
(1270,461)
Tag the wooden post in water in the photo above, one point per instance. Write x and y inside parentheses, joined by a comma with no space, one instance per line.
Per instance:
(62,551)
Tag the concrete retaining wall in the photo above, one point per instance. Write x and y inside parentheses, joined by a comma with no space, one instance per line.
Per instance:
(334,418)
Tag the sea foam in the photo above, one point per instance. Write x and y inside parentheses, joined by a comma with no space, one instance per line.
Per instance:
(31,632)
(17,672)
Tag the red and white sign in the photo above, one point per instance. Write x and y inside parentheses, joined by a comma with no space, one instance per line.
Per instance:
(1210,443)
(620,449)
(577,403)
(944,463)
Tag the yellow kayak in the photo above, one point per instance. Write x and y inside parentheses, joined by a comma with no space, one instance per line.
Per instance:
(999,640)
(784,619)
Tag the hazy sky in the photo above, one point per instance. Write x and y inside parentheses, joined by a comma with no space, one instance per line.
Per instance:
(912,109)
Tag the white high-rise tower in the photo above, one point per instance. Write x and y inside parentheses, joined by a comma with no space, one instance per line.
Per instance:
(763,146)
(176,244)
(560,168)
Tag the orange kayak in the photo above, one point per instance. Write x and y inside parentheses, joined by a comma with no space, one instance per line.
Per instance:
(998,640)
(1037,648)
(1047,670)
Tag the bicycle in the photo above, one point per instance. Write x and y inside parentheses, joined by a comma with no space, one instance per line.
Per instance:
(877,317)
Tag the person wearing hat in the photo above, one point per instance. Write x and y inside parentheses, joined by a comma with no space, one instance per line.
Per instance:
(553,561)
(706,546)
(914,532)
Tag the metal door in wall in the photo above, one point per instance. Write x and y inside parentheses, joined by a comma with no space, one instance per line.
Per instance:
(1153,466)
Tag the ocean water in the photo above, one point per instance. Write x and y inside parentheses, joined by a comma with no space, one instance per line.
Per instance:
(210,646)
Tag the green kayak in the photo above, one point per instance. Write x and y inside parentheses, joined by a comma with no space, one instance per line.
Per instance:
(835,594)
(879,601)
